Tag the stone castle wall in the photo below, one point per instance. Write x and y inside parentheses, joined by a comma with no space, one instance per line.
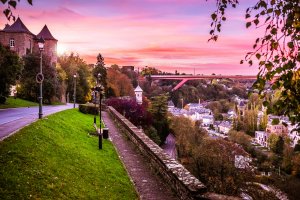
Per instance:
(23,41)
(182,181)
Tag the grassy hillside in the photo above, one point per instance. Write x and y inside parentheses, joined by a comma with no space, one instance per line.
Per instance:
(55,158)
(15,103)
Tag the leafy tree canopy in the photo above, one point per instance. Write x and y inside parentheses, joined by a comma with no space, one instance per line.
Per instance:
(10,69)
(11,4)
(29,88)
(276,51)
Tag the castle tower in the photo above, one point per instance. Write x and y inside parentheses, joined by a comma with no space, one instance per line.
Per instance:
(50,48)
(138,94)
(17,37)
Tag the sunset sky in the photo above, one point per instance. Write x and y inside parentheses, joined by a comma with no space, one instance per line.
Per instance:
(166,34)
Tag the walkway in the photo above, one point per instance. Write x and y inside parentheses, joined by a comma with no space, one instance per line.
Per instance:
(148,185)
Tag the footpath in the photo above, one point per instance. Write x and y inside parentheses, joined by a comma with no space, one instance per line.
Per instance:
(148,184)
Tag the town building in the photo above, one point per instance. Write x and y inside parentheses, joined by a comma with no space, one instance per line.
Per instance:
(261,138)
(19,39)
(278,129)
(138,94)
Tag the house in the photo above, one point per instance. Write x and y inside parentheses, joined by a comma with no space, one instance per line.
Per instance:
(231,114)
(19,39)
(295,137)
(170,104)
(293,134)
(207,120)
(194,106)
(224,127)
(261,138)
(278,129)
(193,115)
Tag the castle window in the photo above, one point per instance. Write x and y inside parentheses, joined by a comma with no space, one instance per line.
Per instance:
(12,42)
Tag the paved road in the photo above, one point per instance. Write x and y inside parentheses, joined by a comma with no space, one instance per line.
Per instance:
(169,147)
(13,119)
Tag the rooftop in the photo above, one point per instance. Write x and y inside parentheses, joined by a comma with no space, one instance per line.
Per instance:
(17,27)
(45,34)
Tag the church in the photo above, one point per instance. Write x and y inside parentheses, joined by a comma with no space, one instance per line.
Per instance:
(19,39)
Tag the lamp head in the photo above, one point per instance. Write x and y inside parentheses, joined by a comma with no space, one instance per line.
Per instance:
(41,43)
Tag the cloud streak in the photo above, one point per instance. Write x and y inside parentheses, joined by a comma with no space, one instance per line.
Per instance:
(170,34)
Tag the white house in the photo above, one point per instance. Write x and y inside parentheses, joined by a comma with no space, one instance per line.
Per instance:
(261,138)
(138,94)
(295,137)
(224,127)
(207,120)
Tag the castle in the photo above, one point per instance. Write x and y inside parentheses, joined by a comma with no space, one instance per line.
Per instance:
(19,39)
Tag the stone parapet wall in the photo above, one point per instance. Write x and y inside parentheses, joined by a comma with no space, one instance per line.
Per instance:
(176,176)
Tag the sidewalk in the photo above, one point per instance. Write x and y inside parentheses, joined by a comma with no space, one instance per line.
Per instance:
(148,185)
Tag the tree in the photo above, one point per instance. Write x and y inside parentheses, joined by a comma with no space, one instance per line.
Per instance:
(72,64)
(263,121)
(275,121)
(150,71)
(250,120)
(240,138)
(118,84)
(100,69)
(296,165)
(158,109)
(276,51)
(276,143)
(10,70)
(11,4)
(287,155)
(29,88)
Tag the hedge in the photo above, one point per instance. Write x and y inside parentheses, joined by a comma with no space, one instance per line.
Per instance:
(89,109)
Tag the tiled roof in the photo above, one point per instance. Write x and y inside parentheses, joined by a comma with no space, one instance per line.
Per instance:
(45,34)
(17,27)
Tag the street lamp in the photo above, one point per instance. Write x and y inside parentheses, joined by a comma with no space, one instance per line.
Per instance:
(74,94)
(99,88)
(40,76)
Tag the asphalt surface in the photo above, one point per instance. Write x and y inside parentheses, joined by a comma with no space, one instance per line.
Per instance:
(13,119)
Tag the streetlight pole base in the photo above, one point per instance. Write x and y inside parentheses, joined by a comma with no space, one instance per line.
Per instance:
(40,115)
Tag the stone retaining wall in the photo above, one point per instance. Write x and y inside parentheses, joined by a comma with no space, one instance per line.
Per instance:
(178,177)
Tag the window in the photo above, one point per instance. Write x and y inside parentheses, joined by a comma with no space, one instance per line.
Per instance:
(12,42)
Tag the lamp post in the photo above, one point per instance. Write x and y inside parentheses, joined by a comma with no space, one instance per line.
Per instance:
(99,89)
(74,94)
(40,77)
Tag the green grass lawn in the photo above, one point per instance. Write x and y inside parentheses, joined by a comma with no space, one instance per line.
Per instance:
(15,103)
(56,158)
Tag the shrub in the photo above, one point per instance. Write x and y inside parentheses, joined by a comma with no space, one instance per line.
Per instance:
(88,109)
(275,121)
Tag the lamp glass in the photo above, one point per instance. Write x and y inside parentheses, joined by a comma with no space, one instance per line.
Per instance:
(41,43)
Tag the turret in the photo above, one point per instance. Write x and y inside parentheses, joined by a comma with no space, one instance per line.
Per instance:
(138,94)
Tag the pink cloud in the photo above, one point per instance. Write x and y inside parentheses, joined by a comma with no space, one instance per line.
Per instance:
(169,34)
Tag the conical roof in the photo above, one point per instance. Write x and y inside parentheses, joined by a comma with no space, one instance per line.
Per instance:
(45,34)
(17,27)
(6,27)
(138,89)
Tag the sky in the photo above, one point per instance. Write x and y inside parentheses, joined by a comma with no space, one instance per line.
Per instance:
(167,34)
